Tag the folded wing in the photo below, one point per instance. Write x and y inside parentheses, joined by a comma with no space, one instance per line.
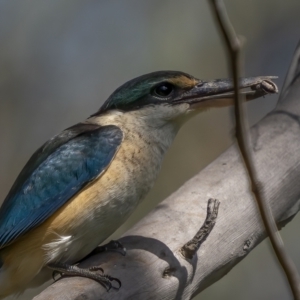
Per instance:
(55,173)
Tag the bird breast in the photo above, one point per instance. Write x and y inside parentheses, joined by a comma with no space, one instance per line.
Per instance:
(102,206)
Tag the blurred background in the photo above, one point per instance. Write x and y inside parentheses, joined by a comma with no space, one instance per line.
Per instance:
(61,59)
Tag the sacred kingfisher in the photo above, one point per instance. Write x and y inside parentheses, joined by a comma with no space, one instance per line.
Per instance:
(83,183)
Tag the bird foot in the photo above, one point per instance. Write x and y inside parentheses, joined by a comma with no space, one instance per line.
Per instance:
(65,270)
(114,246)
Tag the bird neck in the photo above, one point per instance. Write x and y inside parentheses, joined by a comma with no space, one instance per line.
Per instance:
(157,126)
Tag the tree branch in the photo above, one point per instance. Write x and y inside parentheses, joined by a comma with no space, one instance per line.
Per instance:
(153,244)
(234,47)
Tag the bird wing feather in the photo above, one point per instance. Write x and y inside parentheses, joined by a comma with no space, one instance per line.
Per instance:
(55,173)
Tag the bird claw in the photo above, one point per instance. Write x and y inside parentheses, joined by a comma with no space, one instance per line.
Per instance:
(110,285)
(114,246)
(105,280)
(54,273)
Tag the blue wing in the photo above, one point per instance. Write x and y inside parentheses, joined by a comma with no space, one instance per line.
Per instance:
(55,173)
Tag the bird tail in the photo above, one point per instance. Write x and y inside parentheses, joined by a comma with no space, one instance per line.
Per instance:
(3,280)
(15,273)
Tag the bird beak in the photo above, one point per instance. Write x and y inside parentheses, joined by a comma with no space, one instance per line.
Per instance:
(220,92)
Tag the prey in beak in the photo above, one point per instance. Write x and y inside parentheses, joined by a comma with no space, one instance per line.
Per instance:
(220,92)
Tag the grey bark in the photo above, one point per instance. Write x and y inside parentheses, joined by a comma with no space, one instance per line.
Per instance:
(154,267)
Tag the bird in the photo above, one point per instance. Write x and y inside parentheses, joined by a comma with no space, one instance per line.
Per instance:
(83,183)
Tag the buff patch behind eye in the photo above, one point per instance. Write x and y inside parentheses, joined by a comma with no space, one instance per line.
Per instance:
(183,81)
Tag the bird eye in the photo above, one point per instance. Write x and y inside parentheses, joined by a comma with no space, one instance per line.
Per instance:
(164,89)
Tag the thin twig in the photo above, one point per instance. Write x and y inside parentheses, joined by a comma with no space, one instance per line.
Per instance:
(189,249)
(233,46)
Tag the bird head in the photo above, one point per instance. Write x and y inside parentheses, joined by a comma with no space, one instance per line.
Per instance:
(173,95)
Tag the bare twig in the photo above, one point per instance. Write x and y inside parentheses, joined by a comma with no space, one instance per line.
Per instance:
(293,73)
(189,249)
(234,46)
